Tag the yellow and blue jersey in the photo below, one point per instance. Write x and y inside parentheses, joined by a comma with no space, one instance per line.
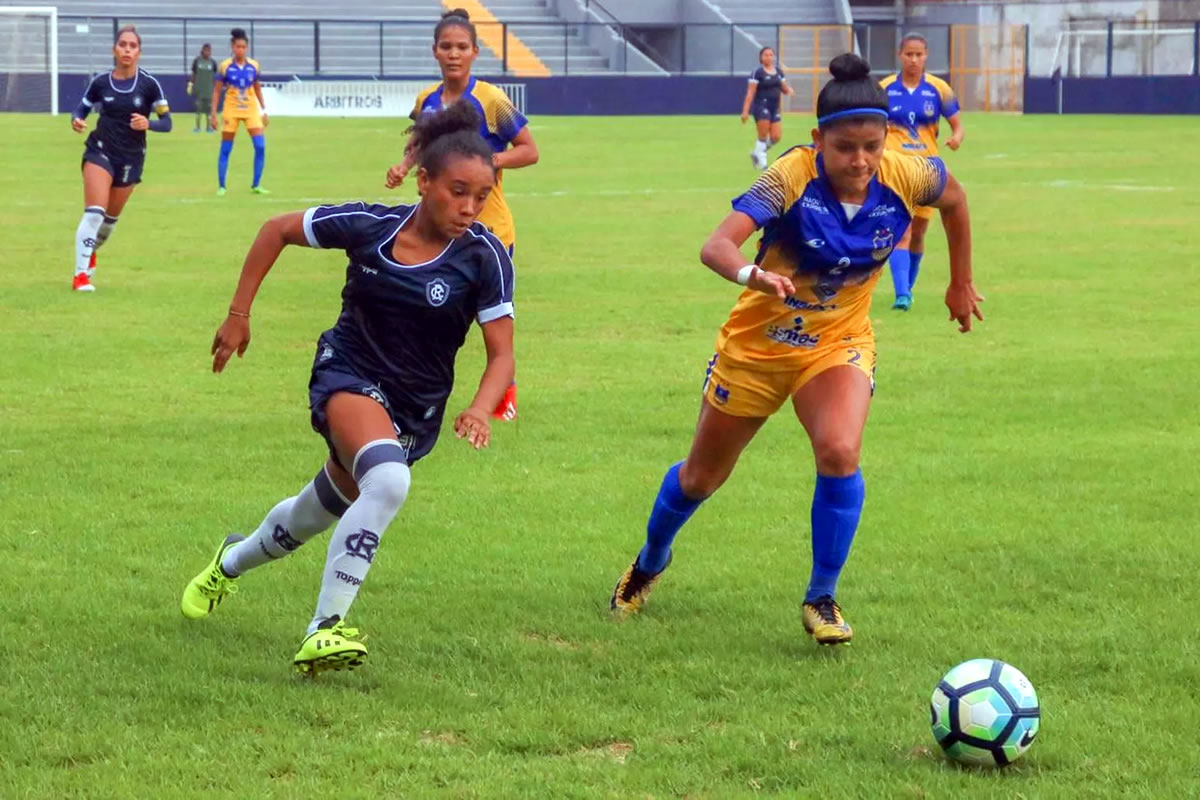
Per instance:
(832,253)
(238,80)
(913,114)
(501,122)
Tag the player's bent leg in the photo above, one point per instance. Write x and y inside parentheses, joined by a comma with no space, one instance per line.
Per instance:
(833,406)
(332,646)
(719,440)
(206,591)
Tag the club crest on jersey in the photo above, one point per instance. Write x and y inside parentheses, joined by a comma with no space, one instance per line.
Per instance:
(437,291)
(930,111)
(881,244)
(137,101)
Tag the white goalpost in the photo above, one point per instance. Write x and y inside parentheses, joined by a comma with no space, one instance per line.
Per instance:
(29,58)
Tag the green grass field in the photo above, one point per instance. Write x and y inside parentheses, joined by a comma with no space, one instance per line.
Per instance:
(1031,491)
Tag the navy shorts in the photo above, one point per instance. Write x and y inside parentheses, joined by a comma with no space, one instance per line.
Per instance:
(125,171)
(417,431)
(767,110)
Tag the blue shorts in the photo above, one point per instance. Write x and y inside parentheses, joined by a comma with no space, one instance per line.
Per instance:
(416,430)
(766,110)
(125,170)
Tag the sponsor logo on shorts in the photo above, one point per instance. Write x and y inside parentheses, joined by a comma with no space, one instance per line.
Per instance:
(804,305)
(793,337)
(721,394)
(326,353)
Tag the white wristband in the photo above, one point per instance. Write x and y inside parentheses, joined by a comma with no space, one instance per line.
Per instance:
(746,273)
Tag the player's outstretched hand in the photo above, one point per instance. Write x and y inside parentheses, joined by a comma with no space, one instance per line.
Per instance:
(963,302)
(474,426)
(232,337)
(770,283)
(139,122)
(396,175)
(78,125)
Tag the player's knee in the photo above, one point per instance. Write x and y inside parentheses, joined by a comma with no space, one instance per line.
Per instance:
(837,456)
(381,470)
(700,481)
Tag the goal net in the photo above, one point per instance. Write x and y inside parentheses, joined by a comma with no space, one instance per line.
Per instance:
(29,58)
(1134,49)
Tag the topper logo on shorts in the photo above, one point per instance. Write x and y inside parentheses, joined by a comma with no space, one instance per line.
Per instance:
(363,545)
(437,291)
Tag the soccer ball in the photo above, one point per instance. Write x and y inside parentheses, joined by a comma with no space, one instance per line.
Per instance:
(985,712)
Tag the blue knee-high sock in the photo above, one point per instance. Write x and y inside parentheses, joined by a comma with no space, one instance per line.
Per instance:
(260,156)
(914,267)
(900,269)
(672,508)
(223,160)
(837,505)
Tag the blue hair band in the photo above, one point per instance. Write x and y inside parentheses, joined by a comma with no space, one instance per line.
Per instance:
(852,112)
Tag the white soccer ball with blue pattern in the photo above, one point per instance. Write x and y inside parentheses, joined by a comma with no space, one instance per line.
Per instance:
(985,712)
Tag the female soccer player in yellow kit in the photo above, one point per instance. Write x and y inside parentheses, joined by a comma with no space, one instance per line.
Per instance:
(916,102)
(831,214)
(455,47)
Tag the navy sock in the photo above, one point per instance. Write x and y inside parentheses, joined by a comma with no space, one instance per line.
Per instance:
(260,156)
(837,505)
(223,160)
(672,508)
(914,266)
(900,269)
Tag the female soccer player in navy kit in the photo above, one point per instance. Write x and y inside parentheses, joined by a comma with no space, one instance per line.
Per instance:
(831,214)
(115,152)
(766,84)
(417,277)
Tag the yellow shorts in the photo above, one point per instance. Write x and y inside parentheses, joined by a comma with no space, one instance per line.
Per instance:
(253,120)
(924,212)
(746,392)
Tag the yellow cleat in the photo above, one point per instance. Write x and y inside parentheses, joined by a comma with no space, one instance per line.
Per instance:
(823,620)
(632,591)
(332,646)
(208,589)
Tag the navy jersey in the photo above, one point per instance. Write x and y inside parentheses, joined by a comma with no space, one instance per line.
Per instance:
(402,324)
(769,85)
(119,100)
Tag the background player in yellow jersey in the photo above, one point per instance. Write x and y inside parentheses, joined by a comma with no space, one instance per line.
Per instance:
(237,78)
(801,330)
(916,102)
(503,127)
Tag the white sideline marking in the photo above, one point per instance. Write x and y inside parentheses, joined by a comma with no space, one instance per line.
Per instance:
(990,156)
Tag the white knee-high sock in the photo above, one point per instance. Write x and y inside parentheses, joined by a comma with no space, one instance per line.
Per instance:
(383,477)
(287,526)
(85,237)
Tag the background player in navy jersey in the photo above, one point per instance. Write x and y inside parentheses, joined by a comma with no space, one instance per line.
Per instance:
(418,277)
(766,84)
(115,152)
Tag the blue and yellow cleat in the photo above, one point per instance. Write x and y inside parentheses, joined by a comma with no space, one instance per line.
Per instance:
(332,646)
(823,621)
(633,589)
(903,303)
(206,591)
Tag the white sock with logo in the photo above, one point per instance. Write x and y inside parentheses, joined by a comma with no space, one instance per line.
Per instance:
(383,478)
(85,237)
(287,526)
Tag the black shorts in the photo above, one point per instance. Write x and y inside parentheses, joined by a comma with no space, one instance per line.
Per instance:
(766,110)
(417,430)
(125,170)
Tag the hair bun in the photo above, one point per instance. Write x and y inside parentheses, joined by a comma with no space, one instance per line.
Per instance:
(238,33)
(849,67)
(456,12)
